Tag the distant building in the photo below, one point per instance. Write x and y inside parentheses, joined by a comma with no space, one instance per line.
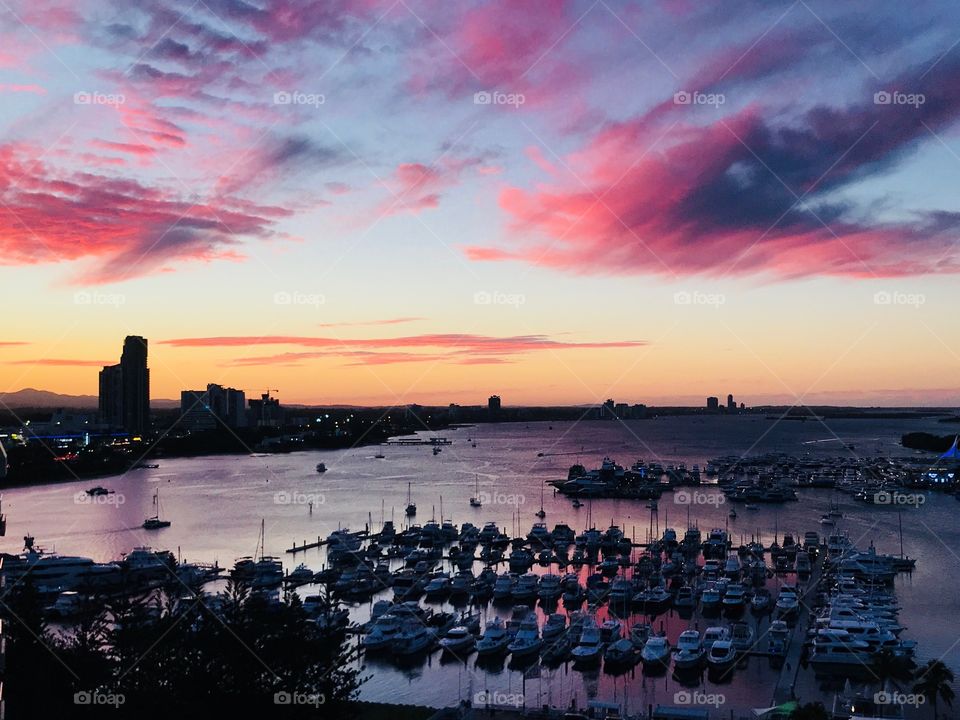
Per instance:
(731,404)
(713,403)
(638,411)
(265,412)
(213,407)
(622,411)
(608,410)
(493,404)
(124,399)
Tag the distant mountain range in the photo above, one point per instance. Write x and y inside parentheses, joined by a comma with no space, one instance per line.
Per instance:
(33,398)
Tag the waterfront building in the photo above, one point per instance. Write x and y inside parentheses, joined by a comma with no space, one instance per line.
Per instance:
(713,404)
(265,412)
(124,399)
(213,407)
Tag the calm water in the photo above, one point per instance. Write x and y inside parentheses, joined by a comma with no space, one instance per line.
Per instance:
(216,505)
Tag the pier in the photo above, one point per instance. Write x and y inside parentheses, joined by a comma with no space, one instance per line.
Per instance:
(419,441)
(783,691)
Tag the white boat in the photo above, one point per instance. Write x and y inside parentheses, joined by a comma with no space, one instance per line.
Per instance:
(494,639)
(475,500)
(589,648)
(527,640)
(741,635)
(154,522)
(787,603)
(713,634)
(656,652)
(382,634)
(722,654)
(835,653)
(735,599)
(689,652)
(458,640)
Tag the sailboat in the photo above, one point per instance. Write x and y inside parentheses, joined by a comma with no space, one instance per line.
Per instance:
(475,500)
(3,519)
(154,522)
(411,507)
(541,513)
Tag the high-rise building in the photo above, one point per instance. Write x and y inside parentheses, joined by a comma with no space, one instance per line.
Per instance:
(713,403)
(124,399)
(213,407)
(731,404)
(265,412)
(493,404)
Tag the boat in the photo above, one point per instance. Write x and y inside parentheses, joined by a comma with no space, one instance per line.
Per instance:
(761,602)
(301,575)
(622,654)
(732,514)
(382,633)
(437,450)
(379,456)
(827,521)
(686,600)
(589,649)
(750,506)
(458,640)
(154,522)
(494,639)
(710,599)
(527,640)
(713,634)
(554,627)
(833,652)
(734,600)
(99,490)
(69,604)
(413,639)
(722,655)
(741,635)
(787,603)
(576,503)
(689,652)
(321,467)
(411,506)
(475,500)
(656,653)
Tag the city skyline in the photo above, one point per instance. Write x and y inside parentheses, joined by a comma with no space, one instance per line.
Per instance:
(384,204)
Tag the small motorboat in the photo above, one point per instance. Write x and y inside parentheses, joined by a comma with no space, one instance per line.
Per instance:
(527,641)
(458,640)
(621,654)
(98,490)
(656,653)
(689,653)
(321,467)
(494,640)
(722,655)
(589,648)
(742,637)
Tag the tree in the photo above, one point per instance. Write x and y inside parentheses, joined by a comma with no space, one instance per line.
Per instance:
(933,681)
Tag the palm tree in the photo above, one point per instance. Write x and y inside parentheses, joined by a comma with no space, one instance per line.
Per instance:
(933,682)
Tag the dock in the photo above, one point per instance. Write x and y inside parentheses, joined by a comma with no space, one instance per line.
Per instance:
(304,546)
(419,441)
(784,689)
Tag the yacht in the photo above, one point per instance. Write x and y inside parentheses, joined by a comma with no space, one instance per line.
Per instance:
(526,588)
(411,506)
(710,599)
(589,648)
(734,600)
(414,638)
(832,653)
(438,586)
(503,587)
(555,626)
(655,653)
(787,603)
(475,500)
(550,590)
(494,639)
(382,633)
(622,653)
(741,635)
(714,634)
(689,653)
(686,600)
(458,640)
(722,655)
(527,640)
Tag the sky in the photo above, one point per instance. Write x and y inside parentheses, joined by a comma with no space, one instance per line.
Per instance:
(379,203)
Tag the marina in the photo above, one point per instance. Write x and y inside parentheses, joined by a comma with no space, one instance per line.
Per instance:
(634,572)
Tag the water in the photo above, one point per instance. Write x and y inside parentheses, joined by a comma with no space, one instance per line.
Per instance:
(216,505)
